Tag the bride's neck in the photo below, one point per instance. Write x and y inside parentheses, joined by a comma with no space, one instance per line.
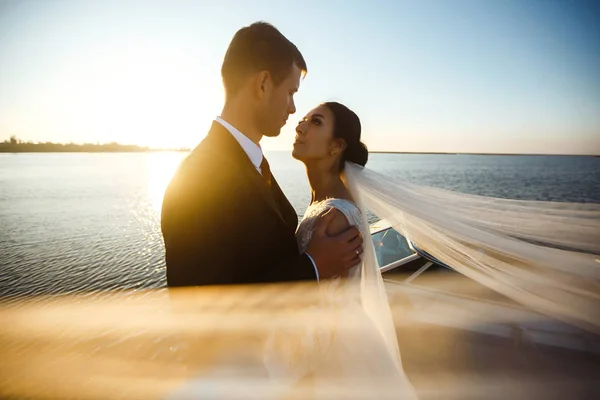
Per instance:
(325,183)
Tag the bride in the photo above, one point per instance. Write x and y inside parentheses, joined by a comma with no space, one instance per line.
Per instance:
(357,344)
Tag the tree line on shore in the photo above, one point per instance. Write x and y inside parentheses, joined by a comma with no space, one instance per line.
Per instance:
(14,145)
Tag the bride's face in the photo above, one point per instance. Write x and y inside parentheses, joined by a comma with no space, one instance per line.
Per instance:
(314,136)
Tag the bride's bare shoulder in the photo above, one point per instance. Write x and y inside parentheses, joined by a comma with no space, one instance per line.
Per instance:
(338,225)
(343,219)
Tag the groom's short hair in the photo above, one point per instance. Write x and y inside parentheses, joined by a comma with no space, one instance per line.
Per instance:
(259,47)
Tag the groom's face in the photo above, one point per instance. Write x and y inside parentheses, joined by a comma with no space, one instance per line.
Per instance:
(279,103)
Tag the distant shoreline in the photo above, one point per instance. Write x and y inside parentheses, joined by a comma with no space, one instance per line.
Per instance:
(92,151)
(8,147)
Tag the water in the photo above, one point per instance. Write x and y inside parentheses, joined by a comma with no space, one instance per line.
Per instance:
(74,222)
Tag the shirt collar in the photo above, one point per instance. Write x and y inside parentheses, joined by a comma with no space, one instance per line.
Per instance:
(252,149)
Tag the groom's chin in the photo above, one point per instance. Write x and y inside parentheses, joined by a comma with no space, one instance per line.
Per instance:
(273,133)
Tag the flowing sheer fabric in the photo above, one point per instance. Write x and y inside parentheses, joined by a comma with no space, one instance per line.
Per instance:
(544,255)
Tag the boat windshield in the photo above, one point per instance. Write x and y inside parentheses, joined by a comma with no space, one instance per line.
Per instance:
(390,247)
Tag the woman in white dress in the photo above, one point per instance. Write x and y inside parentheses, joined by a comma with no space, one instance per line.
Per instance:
(355,344)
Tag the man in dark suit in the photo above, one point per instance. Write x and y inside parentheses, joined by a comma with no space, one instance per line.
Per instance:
(225,219)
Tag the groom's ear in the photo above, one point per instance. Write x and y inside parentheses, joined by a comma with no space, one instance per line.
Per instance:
(263,84)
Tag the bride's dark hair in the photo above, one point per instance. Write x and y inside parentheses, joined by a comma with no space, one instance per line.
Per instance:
(346,125)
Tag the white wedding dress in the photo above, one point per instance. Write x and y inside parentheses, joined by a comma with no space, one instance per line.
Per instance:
(345,347)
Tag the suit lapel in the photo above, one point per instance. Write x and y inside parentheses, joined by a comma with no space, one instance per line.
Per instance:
(227,144)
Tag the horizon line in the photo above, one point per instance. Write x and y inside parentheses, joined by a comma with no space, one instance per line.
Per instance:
(143,148)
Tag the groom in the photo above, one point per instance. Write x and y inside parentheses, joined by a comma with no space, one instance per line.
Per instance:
(225,219)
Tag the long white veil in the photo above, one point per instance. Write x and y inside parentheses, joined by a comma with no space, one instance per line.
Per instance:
(374,298)
(544,255)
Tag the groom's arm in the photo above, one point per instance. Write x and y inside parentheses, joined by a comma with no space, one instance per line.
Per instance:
(195,220)
(334,227)
(297,268)
(212,237)
(209,247)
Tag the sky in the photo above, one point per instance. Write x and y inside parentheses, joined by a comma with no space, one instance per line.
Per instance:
(482,76)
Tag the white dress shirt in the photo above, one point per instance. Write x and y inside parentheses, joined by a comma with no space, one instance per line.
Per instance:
(255,155)
(252,149)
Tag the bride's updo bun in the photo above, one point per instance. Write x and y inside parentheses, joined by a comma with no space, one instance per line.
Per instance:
(347,126)
(356,153)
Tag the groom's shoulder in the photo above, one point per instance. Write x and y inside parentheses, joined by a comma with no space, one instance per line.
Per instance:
(204,153)
(205,159)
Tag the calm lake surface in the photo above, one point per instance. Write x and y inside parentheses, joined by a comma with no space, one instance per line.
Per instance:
(74,222)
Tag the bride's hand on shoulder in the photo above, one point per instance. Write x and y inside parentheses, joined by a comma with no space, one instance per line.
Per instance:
(335,246)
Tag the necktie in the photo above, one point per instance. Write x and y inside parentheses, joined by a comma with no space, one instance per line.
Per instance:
(266,171)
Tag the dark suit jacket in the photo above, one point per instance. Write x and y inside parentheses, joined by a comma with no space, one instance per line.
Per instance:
(223,224)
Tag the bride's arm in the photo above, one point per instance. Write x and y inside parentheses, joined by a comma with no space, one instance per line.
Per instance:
(338,225)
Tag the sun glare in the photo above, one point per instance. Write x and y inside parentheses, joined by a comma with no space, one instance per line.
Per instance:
(161,168)
(149,96)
